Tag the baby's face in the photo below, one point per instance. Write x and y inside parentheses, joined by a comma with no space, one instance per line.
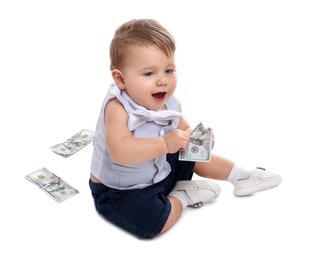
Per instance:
(149,76)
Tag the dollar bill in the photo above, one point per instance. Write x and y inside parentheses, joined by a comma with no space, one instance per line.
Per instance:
(74,144)
(53,185)
(199,147)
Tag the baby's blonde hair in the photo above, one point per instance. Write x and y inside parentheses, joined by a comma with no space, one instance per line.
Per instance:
(142,32)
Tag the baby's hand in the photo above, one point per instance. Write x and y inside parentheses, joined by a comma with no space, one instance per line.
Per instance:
(177,140)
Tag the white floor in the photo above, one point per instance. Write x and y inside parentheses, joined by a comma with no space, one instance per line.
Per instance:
(243,70)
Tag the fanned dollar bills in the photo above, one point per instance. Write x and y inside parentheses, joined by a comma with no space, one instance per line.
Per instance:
(74,144)
(54,186)
(199,147)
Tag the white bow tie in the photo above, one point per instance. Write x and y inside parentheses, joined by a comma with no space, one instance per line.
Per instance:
(161,117)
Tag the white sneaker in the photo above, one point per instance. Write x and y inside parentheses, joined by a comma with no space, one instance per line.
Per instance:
(259,180)
(198,192)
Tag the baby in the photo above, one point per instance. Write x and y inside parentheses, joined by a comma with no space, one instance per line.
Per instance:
(137,181)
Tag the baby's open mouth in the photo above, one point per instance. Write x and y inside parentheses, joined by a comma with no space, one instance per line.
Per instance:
(159,96)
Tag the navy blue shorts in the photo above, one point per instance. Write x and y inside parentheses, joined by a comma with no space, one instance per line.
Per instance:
(142,212)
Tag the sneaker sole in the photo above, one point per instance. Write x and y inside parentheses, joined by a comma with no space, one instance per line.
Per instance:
(257,188)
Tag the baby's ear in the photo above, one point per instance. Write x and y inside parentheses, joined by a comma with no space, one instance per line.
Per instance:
(118,78)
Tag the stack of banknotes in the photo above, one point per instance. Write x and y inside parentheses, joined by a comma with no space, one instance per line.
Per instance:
(50,183)
(74,144)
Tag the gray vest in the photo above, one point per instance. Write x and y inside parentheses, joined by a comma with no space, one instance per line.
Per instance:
(131,176)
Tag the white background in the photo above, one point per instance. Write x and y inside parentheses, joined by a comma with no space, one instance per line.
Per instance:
(243,70)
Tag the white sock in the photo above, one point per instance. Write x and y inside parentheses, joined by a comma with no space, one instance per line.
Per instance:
(181,196)
(238,173)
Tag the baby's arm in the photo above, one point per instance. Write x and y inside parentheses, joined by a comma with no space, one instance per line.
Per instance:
(124,148)
(183,124)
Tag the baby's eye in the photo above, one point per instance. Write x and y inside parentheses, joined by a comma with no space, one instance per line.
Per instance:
(169,71)
(148,74)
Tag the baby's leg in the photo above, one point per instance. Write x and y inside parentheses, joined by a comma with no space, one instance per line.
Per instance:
(245,181)
(192,193)
(175,213)
(219,168)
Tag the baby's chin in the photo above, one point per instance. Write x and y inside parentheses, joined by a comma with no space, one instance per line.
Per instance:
(156,107)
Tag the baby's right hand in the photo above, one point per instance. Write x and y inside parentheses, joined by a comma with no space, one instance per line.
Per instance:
(177,140)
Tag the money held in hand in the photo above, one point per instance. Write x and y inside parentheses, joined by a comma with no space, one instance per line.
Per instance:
(74,144)
(199,147)
(54,186)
